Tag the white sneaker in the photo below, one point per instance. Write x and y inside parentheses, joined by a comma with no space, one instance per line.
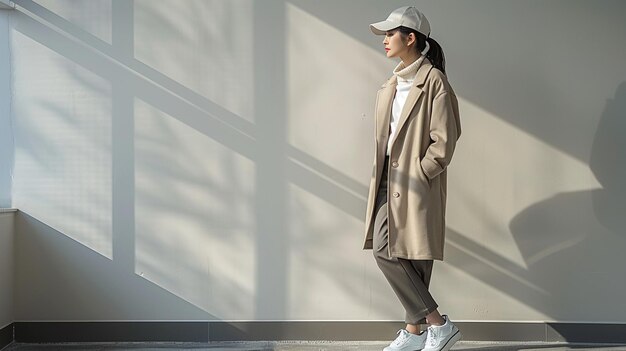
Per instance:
(407,341)
(442,337)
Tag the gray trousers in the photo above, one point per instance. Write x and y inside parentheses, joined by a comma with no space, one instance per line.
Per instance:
(409,279)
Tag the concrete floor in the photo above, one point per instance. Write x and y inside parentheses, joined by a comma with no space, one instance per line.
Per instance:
(302,345)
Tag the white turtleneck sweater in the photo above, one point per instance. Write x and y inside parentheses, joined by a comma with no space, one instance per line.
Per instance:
(405,77)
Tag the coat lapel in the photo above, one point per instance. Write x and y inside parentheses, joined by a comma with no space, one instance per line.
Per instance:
(383,113)
(414,94)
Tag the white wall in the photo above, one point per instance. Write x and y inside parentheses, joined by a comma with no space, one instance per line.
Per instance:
(7,267)
(6,136)
(7,314)
(170,165)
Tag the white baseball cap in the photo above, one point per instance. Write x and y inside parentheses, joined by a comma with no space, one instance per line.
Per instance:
(407,16)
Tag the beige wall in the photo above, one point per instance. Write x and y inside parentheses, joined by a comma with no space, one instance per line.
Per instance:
(7,312)
(170,165)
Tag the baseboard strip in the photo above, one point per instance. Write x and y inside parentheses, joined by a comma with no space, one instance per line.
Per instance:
(51,332)
(6,336)
(44,332)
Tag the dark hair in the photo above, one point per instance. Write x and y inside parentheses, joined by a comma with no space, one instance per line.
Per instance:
(434,54)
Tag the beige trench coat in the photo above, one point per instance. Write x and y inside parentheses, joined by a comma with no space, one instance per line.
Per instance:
(422,148)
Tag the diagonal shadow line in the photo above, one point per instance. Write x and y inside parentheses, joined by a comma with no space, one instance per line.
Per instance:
(488,255)
(136,67)
(482,264)
(305,159)
(172,105)
(326,189)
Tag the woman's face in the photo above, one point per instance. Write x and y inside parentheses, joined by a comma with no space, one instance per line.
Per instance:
(394,45)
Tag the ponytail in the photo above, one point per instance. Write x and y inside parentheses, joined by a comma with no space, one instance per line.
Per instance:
(435,52)
(435,55)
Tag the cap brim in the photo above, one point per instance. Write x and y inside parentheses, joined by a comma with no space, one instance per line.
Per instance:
(381,28)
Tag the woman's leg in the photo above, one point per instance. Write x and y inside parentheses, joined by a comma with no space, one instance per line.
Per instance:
(435,318)
(408,278)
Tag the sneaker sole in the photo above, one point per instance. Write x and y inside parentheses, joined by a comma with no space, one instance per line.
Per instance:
(413,350)
(448,345)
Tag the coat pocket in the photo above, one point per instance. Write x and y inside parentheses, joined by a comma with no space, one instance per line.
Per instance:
(420,172)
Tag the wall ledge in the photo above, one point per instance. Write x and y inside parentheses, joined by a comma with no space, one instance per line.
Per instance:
(7,5)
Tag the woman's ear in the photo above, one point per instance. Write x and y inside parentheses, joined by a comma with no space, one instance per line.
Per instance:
(410,39)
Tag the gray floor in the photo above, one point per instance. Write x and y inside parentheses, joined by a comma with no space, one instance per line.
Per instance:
(301,345)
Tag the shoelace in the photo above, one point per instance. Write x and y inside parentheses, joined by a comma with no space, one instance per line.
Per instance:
(401,339)
(431,339)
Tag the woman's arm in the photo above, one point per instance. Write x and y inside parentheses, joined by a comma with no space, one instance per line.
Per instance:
(445,129)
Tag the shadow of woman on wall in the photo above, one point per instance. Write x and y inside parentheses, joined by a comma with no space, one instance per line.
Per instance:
(574,243)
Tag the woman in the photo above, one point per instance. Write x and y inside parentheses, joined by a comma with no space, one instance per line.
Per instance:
(417,126)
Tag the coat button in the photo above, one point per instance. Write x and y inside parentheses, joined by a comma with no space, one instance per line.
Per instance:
(396,194)
(394,164)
